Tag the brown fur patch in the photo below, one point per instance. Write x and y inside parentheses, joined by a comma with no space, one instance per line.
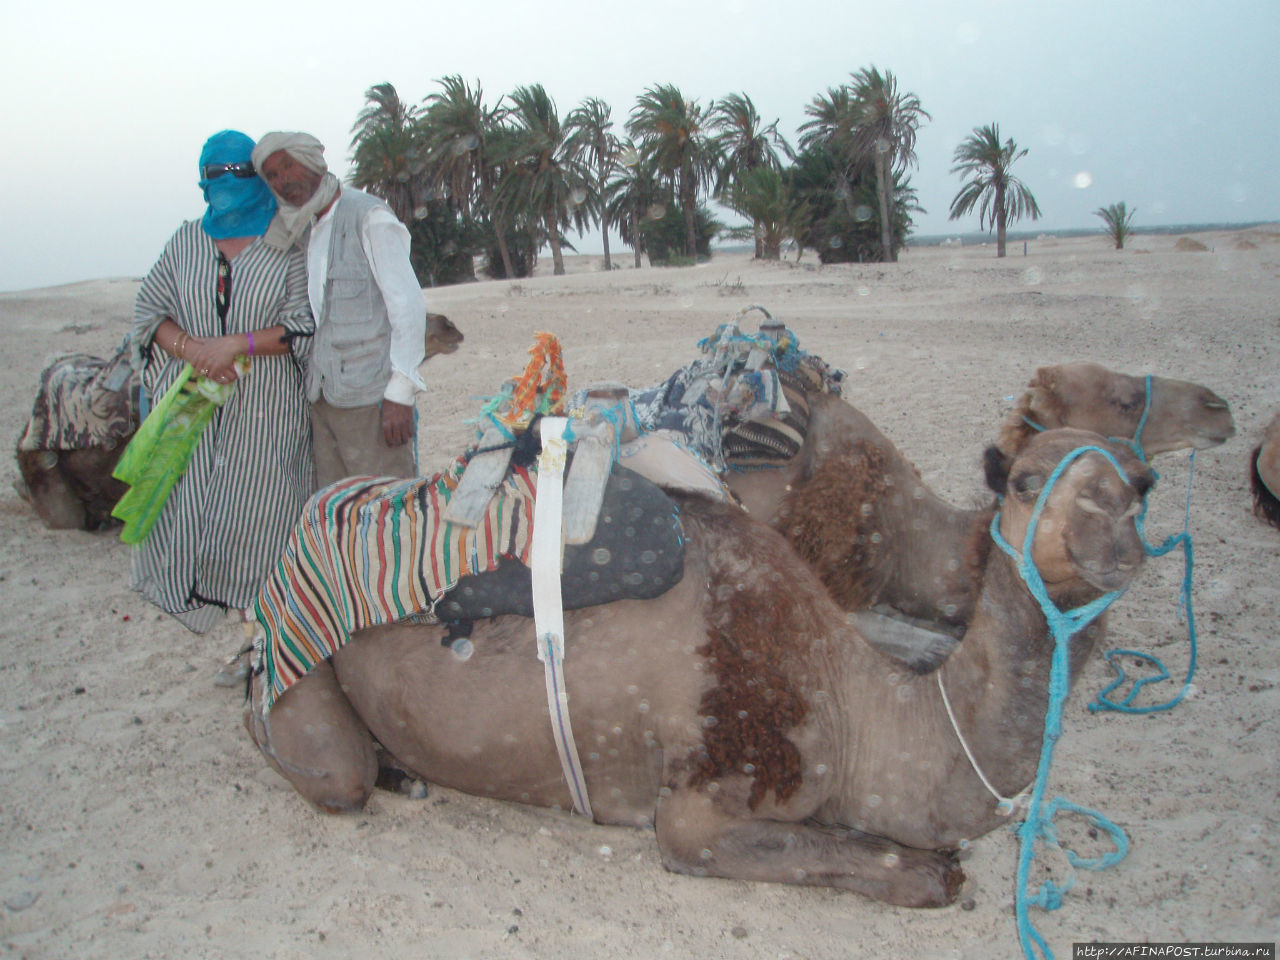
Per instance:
(849,551)
(758,646)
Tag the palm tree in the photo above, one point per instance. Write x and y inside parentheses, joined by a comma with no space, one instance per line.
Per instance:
(999,196)
(1117,219)
(631,194)
(543,179)
(670,131)
(765,196)
(458,128)
(827,112)
(593,141)
(386,151)
(882,127)
(744,145)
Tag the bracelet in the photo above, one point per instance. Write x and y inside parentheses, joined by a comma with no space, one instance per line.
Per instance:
(250,336)
(180,346)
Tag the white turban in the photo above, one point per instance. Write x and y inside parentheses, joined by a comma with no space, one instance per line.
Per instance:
(287,227)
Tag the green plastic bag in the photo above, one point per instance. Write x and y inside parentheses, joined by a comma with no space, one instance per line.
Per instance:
(160,451)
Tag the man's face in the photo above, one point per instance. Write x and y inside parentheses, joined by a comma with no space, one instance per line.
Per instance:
(290,179)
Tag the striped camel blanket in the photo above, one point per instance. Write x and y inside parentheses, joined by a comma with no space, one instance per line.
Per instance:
(373,550)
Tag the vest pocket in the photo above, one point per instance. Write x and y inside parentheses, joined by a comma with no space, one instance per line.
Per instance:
(359,370)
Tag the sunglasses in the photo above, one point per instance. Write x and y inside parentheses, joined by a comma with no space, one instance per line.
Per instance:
(243,170)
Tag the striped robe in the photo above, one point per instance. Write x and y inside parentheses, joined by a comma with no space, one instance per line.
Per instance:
(227,519)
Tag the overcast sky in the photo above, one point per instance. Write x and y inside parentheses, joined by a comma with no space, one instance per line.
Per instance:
(1170,106)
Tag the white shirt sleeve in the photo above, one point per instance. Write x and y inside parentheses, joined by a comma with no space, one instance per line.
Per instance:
(386,244)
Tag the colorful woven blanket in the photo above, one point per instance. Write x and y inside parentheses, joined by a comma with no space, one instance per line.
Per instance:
(372,550)
(742,404)
(83,401)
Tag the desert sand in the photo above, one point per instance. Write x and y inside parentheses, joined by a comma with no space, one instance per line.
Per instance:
(138,820)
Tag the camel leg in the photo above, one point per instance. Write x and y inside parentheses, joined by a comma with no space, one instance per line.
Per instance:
(313,738)
(694,837)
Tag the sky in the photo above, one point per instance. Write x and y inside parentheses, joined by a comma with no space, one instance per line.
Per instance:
(1170,106)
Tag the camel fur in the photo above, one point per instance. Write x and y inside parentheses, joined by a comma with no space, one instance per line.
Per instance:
(1091,397)
(741,714)
(1264,475)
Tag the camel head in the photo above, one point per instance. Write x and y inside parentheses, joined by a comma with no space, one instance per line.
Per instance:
(442,336)
(1087,540)
(1091,397)
(1264,474)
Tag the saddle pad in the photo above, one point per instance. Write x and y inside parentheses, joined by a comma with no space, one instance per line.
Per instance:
(83,401)
(373,550)
(637,553)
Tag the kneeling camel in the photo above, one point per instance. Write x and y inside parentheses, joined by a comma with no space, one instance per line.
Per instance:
(740,713)
(880,539)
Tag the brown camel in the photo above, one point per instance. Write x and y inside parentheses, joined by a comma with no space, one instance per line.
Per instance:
(66,471)
(1264,474)
(1091,397)
(740,713)
(84,413)
(888,543)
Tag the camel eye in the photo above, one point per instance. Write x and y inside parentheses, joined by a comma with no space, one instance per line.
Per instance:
(1027,485)
(1215,405)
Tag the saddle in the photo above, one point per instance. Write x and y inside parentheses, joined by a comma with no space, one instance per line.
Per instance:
(743,404)
(455,547)
(84,401)
(636,553)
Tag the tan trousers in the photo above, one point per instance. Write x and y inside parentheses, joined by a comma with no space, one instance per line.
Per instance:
(348,442)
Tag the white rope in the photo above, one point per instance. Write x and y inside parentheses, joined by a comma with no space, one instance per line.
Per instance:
(548,602)
(1004,805)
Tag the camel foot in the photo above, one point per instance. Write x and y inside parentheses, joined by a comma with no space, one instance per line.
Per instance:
(313,738)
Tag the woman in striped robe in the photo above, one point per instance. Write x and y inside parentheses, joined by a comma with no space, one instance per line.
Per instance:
(219,292)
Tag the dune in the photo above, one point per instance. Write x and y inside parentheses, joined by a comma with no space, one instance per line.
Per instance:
(139,821)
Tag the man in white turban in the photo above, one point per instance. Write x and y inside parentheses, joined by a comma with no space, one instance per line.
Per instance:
(370,314)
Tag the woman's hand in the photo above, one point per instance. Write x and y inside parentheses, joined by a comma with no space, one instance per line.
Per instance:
(214,357)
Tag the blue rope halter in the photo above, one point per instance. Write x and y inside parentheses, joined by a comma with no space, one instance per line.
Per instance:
(1113,656)
(1038,824)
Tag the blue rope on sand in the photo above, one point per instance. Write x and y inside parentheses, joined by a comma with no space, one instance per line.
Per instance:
(1185,611)
(1039,822)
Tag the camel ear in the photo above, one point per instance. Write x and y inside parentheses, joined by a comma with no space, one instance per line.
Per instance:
(1043,401)
(996,463)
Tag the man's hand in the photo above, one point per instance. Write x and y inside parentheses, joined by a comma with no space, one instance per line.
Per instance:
(397,423)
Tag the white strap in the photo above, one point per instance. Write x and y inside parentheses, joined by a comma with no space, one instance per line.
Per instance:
(1004,805)
(548,603)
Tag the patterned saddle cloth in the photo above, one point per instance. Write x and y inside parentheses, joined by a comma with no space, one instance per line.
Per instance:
(742,404)
(83,401)
(370,551)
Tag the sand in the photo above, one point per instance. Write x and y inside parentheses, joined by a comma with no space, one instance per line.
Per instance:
(138,820)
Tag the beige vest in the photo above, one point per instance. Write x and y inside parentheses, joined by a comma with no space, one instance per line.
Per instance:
(351,355)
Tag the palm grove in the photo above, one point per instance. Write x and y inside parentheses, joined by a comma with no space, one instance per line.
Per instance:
(503,181)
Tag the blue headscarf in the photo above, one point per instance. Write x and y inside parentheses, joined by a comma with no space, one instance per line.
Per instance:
(237,207)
